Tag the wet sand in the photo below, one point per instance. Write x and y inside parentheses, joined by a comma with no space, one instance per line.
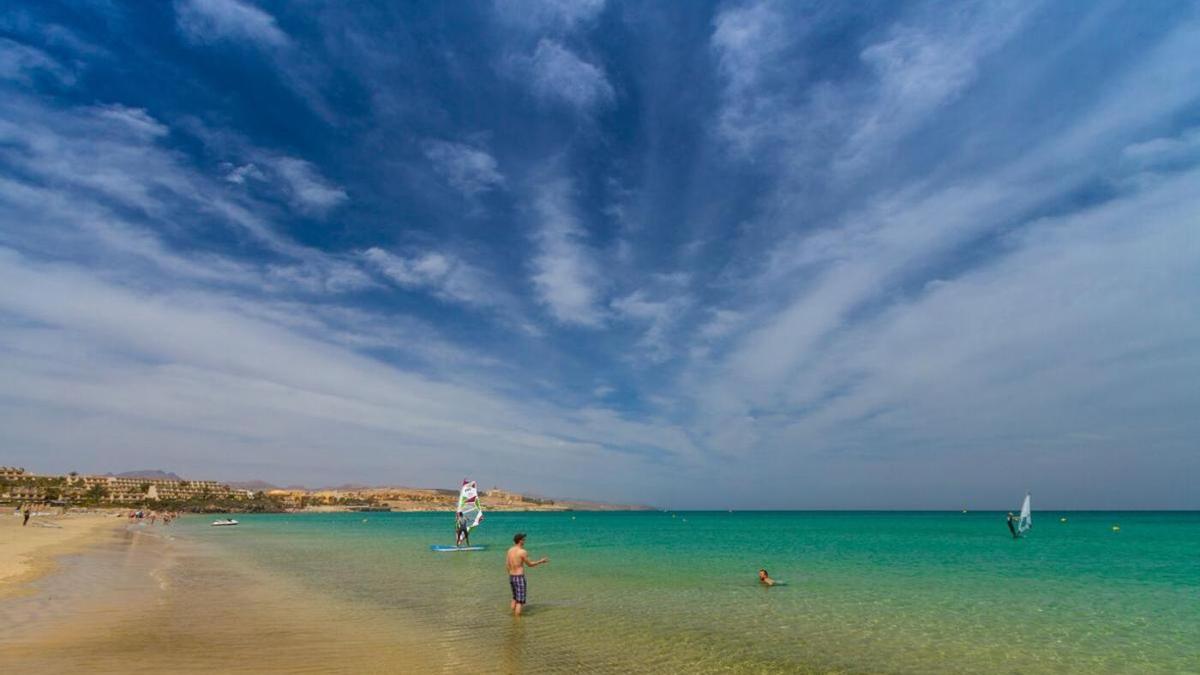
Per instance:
(28,552)
(137,599)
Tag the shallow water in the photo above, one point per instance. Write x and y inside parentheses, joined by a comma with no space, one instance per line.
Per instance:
(866,592)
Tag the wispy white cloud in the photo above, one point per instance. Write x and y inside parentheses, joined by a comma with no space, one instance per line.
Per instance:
(21,63)
(922,66)
(748,42)
(1183,148)
(547,14)
(446,276)
(468,169)
(320,275)
(238,174)
(266,390)
(565,274)
(137,120)
(925,242)
(660,304)
(557,75)
(81,168)
(214,20)
(308,189)
(844,337)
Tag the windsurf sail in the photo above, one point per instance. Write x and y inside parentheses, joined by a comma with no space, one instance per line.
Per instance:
(468,504)
(1026,520)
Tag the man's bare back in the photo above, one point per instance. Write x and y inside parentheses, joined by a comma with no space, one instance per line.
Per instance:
(516,560)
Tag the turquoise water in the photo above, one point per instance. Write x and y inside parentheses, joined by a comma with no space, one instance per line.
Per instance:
(866,592)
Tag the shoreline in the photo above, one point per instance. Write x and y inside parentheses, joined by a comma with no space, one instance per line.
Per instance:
(90,601)
(31,552)
(291,594)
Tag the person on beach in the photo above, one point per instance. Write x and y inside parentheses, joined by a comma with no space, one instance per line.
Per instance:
(1012,524)
(764,578)
(27,514)
(517,560)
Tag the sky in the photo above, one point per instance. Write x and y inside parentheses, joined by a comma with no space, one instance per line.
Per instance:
(698,255)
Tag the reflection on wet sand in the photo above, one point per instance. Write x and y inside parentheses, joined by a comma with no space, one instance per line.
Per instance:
(143,603)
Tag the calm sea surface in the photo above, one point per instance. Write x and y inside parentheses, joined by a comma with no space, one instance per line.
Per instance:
(865,592)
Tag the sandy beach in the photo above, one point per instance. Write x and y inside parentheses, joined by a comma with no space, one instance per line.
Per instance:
(88,592)
(28,552)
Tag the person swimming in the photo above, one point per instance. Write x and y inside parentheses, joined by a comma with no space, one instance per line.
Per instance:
(764,578)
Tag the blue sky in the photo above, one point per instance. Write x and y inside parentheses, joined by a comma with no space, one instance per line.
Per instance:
(727,255)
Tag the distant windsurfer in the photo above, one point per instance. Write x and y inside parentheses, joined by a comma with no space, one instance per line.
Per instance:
(517,560)
(1012,525)
(462,533)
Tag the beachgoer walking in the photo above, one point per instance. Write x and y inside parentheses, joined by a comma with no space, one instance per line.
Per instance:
(27,514)
(517,560)
(765,579)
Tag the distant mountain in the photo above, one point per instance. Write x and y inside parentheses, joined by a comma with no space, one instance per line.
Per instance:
(156,474)
(252,485)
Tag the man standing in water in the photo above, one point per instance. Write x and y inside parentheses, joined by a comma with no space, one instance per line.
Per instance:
(517,560)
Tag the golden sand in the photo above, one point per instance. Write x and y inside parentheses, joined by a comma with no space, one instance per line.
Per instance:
(140,600)
(27,552)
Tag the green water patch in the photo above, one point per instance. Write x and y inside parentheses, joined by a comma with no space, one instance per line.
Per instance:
(897,592)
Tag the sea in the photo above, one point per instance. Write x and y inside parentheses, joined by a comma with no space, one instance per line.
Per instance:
(677,592)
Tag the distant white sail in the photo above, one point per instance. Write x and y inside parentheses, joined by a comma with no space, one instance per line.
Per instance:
(1026,520)
(468,504)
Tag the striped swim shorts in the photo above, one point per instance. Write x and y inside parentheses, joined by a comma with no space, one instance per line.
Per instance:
(517,581)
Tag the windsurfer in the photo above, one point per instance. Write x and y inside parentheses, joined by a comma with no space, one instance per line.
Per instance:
(1012,524)
(462,534)
(517,560)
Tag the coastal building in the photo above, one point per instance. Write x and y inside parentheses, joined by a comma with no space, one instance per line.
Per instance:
(503,495)
(25,493)
(127,489)
(17,484)
(292,499)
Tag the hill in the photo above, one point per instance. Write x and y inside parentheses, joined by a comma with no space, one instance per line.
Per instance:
(154,474)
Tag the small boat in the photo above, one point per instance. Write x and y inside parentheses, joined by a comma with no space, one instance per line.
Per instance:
(224,521)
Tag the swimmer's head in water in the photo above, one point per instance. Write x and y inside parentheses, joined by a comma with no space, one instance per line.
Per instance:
(762,574)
